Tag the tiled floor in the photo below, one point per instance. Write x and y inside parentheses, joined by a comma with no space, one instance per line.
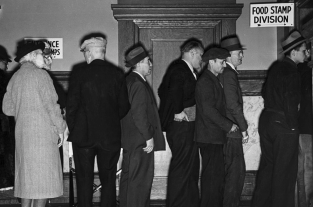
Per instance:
(7,199)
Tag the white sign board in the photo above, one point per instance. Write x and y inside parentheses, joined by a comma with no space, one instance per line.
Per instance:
(272,15)
(56,46)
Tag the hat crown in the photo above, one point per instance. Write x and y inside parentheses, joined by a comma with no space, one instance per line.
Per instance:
(28,47)
(231,44)
(294,39)
(135,55)
(230,41)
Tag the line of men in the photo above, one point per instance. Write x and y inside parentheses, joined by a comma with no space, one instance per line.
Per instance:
(203,112)
(192,115)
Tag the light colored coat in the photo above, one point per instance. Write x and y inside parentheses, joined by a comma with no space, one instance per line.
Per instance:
(32,100)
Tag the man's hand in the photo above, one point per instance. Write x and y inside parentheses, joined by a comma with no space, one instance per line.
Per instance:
(180,117)
(61,139)
(150,145)
(245,137)
(66,133)
(233,128)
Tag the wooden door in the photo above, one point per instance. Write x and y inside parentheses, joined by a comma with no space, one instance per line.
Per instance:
(163,40)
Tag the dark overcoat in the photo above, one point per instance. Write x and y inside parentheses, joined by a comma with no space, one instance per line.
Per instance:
(97,101)
(211,122)
(234,102)
(176,92)
(142,121)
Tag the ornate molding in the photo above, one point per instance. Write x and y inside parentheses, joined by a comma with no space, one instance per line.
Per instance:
(251,81)
(166,12)
(175,23)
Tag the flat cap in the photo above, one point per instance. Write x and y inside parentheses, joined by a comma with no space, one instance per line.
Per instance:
(214,53)
(93,42)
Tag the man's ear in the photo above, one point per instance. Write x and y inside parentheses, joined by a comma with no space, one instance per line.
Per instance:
(292,53)
(192,52)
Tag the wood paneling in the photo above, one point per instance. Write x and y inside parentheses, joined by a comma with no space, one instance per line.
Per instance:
(133,2)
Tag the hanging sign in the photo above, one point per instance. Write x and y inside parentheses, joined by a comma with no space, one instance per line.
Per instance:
(272,15)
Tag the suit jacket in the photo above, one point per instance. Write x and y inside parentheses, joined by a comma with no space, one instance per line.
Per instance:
(97,101)
(234,102)
(305,113)
(176,92)
(142,121)
(211,122)
(282,91)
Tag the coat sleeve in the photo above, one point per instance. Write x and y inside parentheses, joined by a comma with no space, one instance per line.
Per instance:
(206,101)
(7,103)
(123,98)
(138,109)
(50,98)
(233,105)
(292,98)
(73,100)
(176,90)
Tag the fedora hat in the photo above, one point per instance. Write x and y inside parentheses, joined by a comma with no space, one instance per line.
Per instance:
(135,55)
(294,39)
(28,47)
(231,44)
(4,55)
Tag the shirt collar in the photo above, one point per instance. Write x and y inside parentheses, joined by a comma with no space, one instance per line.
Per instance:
(140,75)
(232,66)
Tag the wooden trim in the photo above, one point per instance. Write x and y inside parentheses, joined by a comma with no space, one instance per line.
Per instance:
(166,12)
(251,81)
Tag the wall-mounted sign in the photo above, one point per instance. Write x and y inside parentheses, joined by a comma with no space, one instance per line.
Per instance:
(272,15)
(56,46)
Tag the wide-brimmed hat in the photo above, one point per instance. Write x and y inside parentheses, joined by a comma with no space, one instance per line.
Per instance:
(135,55)
(4,55)
(231,44)
(214,53)
(294,39)
(93,42)
(27,47)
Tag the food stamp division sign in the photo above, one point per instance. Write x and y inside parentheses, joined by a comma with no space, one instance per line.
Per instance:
(272,15)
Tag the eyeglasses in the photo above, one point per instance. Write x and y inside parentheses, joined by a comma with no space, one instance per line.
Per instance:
(83,51)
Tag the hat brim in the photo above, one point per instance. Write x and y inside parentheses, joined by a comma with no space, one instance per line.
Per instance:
(5,58)
(235,47)
(292,46)
(135,60)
